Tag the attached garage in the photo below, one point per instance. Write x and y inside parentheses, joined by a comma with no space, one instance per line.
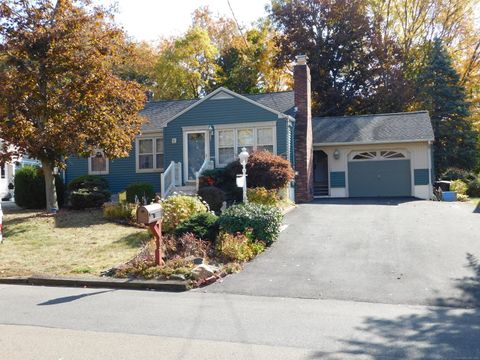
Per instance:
(371,174)
(385,155)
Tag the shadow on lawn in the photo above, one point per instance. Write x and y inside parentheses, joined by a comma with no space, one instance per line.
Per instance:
(444,332)
(134,240)
(79,218)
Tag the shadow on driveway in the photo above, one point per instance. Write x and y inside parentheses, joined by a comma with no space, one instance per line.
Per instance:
(364,201)
(442,333)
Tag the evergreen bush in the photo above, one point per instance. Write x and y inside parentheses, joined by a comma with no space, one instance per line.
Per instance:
(30,188)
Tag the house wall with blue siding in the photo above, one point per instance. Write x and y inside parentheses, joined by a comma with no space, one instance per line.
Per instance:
(220,112)
(121,173)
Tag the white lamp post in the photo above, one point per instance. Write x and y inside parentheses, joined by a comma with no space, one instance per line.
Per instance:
(243,156)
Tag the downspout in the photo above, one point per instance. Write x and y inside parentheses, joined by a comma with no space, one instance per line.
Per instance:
(430,174)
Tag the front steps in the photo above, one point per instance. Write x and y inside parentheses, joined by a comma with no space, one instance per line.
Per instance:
(320,189)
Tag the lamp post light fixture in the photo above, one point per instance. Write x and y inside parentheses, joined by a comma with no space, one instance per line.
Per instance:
(243,156)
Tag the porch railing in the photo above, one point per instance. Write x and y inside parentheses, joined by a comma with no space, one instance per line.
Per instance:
(207,165)
(171,177)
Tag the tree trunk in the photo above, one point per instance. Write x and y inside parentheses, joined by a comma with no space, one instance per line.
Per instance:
(50,188)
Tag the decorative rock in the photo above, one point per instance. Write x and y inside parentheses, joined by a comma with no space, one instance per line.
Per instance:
(203,271)
(180,277)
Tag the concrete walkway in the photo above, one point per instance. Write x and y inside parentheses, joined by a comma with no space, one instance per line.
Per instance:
(386,251)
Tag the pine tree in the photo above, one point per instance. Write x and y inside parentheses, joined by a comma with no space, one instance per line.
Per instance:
(440,93)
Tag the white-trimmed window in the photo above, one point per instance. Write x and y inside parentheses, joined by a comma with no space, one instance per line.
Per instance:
(230,141)
(149,154)
(98,163)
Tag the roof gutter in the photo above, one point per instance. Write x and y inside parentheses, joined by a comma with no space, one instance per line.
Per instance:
(373,142)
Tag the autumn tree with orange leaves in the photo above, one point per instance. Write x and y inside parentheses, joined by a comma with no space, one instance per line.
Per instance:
(58,95)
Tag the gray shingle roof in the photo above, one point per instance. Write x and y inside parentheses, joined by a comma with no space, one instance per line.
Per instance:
(373,128)
(159,112)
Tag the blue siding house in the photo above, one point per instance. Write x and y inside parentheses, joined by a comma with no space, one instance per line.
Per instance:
(343,156)
(186,134)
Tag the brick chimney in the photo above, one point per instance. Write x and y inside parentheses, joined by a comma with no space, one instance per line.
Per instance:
(303,130)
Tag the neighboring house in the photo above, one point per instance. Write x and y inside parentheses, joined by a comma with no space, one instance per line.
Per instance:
(357,156)
(7,173)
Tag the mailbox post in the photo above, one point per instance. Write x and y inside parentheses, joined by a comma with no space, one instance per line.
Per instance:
(151,215)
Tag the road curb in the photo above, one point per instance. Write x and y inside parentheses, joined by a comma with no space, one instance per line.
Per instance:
(170,286)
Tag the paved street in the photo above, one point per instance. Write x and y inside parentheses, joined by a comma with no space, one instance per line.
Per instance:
(386,251)
(58,323)
(346,280)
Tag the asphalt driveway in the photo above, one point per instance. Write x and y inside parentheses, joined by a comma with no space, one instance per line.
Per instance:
(389,251)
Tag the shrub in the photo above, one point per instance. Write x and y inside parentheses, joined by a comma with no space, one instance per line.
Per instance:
(213,196)
(88,182)
(203,225)
(88,192)
(459,186)
(83,199)
(263,196)
(474,187)
(212,177)
(264,169)
(264,221)
(178,208)
(454,173)
(234,247)
(122,212)
(186,245)
(30,188)
(140,190)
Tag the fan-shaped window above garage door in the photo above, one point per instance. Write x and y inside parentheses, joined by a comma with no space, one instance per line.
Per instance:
(390,154)
(378,155)
(367,155)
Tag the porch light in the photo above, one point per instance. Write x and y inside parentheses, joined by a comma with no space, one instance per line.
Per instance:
(243,156)
(211,129)
(336,154)
(98,154)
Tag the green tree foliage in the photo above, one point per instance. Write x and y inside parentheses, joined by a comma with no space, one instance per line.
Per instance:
(59,96)
(350,67)
(440,93)
(215,52)
(187,66)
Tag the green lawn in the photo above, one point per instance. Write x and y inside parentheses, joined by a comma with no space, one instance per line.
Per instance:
(72,243)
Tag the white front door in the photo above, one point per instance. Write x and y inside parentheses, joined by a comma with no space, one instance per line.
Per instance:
(195,150)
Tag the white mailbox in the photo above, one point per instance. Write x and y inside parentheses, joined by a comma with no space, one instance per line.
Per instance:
(149,214)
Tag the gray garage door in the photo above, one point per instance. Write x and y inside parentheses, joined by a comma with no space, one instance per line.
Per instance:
(379,178)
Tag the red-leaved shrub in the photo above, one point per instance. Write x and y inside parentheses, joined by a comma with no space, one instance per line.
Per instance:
(264,169)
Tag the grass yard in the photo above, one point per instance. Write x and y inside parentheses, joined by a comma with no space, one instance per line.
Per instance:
(72,243)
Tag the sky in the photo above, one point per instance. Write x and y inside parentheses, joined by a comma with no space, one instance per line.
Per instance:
(149,20)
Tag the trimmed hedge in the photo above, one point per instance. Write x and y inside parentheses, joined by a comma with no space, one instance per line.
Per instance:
(30,188)
(140,190)
(202,225)
(88,191)
(263,220)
